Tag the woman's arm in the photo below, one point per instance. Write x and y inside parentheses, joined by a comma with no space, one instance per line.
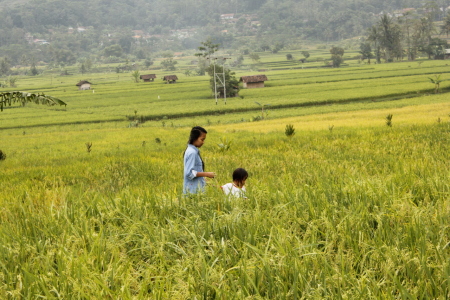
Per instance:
(206,174)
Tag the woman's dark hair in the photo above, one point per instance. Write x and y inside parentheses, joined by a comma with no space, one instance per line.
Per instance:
(240,175)
(196,132)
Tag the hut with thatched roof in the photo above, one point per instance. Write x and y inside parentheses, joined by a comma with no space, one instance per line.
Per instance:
(170,78)
(254,81)
(148,77)
(84,85)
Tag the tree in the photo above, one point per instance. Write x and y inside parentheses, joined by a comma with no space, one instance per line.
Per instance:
(423,35)
(436,48)
(12,81)
(254,56)
(336,56)
(374,37)
(366,51)
(289,56)
(445,28)
(8,98)
(207,49)
(337,51)
(148,62)
(113,50)
(136,76)
(4,66)
(337,60)
(169,63)
(305,54)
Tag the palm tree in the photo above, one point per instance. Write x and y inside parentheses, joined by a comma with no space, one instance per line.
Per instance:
(375,37)
(8,98)
(445,28)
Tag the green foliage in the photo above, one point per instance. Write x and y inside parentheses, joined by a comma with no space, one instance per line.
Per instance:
(2,155)
(306,54)
(254,56)
(148,62)
(231,82)
(336,60)
(113,224)
(89,147)
(4,66)
(389,120)
(436,81)
(264,113)
(136,76)
(289,56)
(113,50)
(366,51)
(337,51)
(12,81)
(8,98)
(207,49)
(225,144)
(289,130)
(169,64)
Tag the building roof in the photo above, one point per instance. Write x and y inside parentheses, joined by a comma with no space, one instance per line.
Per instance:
(147,76)
(170,77)
(253,78)
(83,82)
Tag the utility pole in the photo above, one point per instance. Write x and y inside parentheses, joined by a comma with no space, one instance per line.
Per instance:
(217,75)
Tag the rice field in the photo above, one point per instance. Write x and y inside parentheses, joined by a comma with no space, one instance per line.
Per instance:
(347,208)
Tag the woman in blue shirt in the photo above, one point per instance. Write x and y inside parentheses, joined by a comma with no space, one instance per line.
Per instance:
(194,166)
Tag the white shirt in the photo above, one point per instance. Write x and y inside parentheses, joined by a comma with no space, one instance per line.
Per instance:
(231,189)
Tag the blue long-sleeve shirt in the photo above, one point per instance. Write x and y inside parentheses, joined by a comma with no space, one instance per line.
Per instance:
(192,165)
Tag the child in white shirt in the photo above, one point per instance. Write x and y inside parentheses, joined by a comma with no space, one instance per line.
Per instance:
(237,187)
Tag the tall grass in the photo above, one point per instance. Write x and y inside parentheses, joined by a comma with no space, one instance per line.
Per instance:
(353,213)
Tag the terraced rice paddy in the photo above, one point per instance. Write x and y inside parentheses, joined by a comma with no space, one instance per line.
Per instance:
(347,208)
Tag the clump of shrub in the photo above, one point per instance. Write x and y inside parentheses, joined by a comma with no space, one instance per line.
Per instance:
(2,155)
(389,120)
(289,131)
(225,144)
(89,147)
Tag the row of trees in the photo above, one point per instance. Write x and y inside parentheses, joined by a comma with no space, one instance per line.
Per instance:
(405,37)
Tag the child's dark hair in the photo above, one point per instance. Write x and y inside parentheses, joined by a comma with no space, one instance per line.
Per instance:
(196,132)
(240,175)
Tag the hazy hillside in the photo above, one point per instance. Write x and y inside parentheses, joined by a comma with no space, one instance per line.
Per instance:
(63,31)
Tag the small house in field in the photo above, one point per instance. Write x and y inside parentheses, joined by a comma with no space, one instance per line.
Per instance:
(148,77)
(170,78)
(84,85)
(447,54)
(254,81)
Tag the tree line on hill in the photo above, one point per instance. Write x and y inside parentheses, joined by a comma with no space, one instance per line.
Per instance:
(64,32)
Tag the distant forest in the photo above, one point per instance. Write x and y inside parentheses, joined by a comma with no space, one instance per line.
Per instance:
(110,23)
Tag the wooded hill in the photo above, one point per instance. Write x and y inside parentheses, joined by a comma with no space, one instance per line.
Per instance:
(110,22)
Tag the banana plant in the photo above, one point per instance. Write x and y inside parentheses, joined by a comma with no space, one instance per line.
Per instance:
(436,81)
(263,113)
(8,98)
